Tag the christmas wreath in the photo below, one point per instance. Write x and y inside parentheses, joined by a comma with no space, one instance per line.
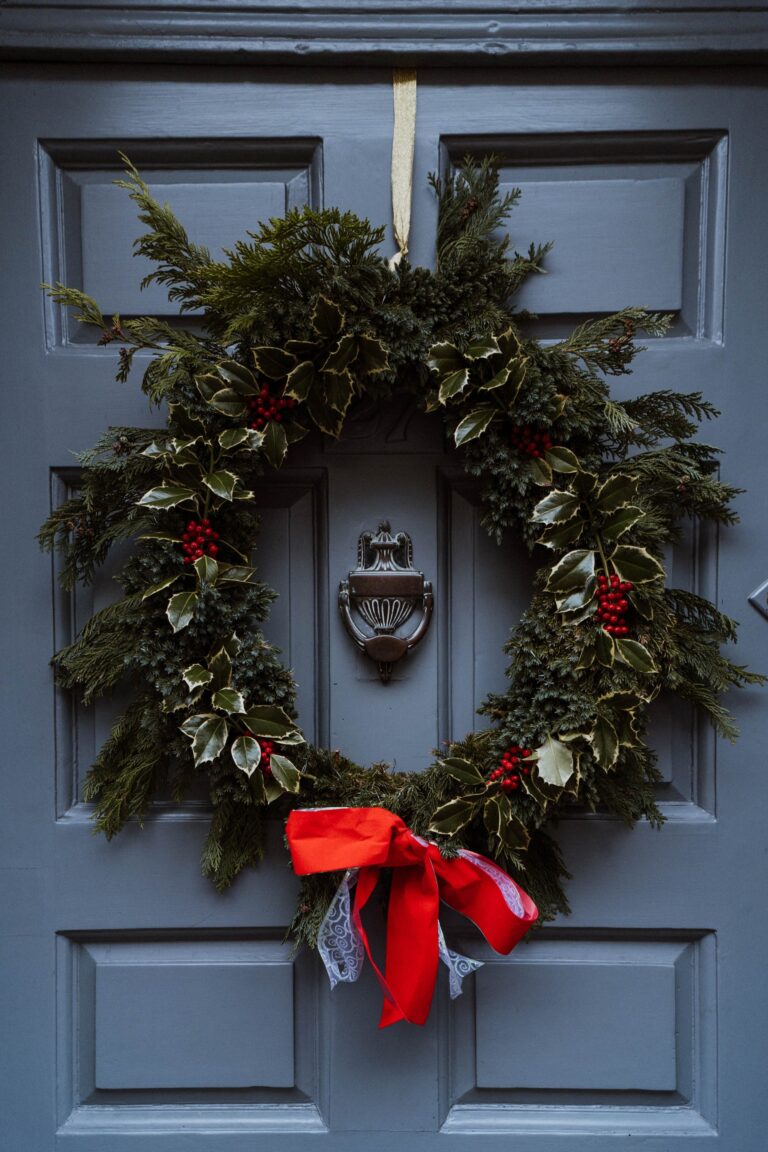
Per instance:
(300,321)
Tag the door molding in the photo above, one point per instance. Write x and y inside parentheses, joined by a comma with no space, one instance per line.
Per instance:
(483,32)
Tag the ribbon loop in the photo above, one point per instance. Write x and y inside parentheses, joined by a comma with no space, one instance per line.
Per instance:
(369,839)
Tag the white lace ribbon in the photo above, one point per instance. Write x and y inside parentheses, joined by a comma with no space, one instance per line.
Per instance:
(342,952)
(338,940)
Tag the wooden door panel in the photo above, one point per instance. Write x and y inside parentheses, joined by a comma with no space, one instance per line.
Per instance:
(633,1021)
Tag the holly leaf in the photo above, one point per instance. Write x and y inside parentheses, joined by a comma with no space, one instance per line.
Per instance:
(562,535)
(181,609)
(541,471)
(272,362)
(482,348)
(236,573)
(473,425)
(285,772)
(207,385)
(220,664)
(327,318)
(449,818)
(514,834)
(452,384)
(300,381)
(166,496)
(272,712)
(618,522)
(463,771)
(556,507)
(605,648)
(555,762)
(605,742)
(228,402)
(636,564)
(562,459)
(228,700)
(207,570)
(338,391)
(209,739)
(193,723)
(518,370)
(196,676)
(275,443)
(154,588)
(340,357)
(246,753)
(575,570)
(239,378)
(497,381)
(233,437)
(615,493)
(221,483)
(445,358)
(636,655)
(372,356)
(267,729)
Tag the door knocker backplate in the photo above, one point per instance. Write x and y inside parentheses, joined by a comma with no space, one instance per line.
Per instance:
(384,591)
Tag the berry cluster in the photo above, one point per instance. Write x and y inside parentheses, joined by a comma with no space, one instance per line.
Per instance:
(510,767)
(199,540)
(266,407)
(612,604)
(530,441)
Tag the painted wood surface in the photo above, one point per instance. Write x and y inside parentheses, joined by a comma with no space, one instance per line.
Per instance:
(637,1022)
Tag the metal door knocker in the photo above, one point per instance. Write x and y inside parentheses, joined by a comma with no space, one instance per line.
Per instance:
(384,590)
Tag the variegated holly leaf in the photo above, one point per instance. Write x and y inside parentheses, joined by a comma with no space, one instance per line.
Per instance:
(155,588)
(618,522)
(300,380)
(207,570)
(451,817)
(636,655)
(463,771)
(228,700)
(327,318)
(246,753)
(556,507)
(341,356)
(239,378)
(473,425)
(181,609)
(482,348)
(275,443)
(221,483)
(605,742)
(562,459)
(615,492)
(166,496)
(574,571)
(209,739)
(555,762)
(285,773)
(636,564)
(275,363)
(196,676)
(228,402)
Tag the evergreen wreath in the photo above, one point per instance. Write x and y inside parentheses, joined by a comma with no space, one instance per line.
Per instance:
(301,320)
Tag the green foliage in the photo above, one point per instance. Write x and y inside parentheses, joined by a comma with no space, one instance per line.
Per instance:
(307,310)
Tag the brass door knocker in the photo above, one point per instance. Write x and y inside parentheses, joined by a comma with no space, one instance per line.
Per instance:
(384,590)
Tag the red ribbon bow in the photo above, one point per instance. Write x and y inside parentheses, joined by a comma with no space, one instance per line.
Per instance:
(333,839)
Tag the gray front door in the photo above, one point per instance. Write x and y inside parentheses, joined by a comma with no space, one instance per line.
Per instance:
(141,1009)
